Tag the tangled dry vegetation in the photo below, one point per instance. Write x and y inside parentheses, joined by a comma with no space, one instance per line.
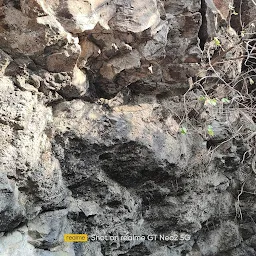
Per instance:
(220,104)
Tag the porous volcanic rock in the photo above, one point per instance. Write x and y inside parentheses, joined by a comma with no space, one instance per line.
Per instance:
(122,118)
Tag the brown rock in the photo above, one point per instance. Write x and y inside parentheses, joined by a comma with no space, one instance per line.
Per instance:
(223,7)
(60,62)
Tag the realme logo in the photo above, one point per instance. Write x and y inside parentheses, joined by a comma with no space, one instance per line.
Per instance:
(75,237)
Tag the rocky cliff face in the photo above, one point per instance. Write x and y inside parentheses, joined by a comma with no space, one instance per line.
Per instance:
(127,118)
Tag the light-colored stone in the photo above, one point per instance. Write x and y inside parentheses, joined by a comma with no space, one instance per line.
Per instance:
(93,98)
(222,239)
(5,60)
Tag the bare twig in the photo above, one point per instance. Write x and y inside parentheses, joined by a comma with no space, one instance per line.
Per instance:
(237,133)
(250,136)
(238,208)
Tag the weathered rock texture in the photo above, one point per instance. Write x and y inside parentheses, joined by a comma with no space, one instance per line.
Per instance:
(93,96)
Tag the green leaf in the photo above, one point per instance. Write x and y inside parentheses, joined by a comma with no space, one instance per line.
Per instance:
(251,81)
(202,98)
(216,41)
(225,100)
(212,102)
(235,13)
(183,130)
(210,130)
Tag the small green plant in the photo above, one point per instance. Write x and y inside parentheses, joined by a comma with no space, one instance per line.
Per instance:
(183,130)
(202,98)
(216,41)
(225,100)
(208,101)
(210,130)
(212,102)
(251,81)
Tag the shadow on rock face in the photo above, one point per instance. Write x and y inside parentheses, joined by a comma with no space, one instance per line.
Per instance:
(131,165)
